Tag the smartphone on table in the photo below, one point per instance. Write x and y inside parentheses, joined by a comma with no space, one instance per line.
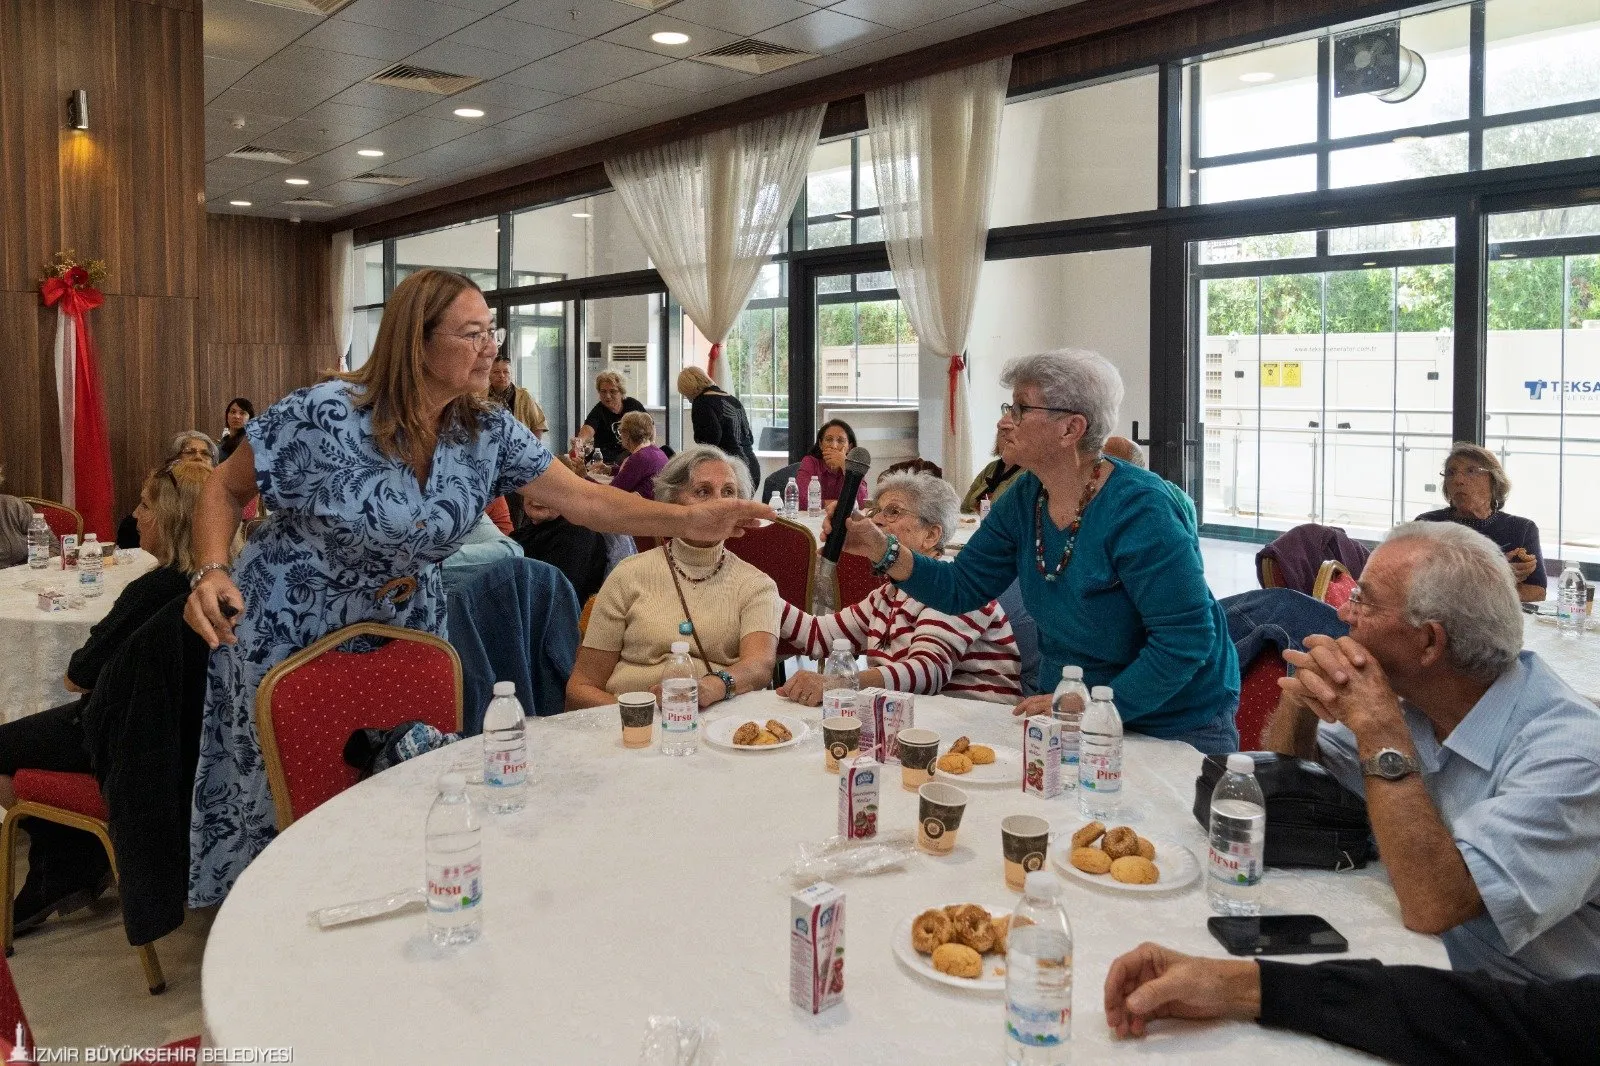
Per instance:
(1277,934)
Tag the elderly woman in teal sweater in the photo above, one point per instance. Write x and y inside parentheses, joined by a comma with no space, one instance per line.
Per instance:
(1107,566)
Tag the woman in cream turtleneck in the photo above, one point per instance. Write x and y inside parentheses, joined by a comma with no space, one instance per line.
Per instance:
(732,619)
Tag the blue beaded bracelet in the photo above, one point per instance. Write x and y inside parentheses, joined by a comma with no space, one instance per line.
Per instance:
(891,556)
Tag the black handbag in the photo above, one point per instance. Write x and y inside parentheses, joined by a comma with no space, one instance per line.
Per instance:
(1312,820)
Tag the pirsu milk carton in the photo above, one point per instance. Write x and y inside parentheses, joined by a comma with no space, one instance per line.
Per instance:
(816,947)
(1041,756)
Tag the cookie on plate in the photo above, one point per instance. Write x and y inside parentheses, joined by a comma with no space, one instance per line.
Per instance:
(1091,860)
(957,960)
(1135,870)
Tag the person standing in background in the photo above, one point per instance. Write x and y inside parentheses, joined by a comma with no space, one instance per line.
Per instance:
(602,426)
(514,398)
(240,410)
(718,418)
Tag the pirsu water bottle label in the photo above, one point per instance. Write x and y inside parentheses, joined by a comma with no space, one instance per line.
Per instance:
(507,767)
(676,716)
(456,887)
(1036,1027)
(1099,773)
(1235,866)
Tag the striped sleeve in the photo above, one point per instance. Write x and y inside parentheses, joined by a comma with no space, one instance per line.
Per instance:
(814,634)
(938,643)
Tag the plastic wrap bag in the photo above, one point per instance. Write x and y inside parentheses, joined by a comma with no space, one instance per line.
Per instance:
(838,857)
(670,1041)
(361,910)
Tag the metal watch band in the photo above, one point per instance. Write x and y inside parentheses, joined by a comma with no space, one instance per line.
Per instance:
(206,569)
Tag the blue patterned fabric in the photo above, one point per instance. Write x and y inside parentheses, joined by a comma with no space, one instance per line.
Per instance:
(344,520)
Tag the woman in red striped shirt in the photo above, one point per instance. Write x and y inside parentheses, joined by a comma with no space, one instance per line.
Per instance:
(911,647)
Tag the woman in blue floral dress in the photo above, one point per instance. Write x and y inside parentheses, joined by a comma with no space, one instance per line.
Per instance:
(372,479)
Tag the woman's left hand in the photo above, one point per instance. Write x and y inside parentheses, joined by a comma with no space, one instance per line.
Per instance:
(716,521)
(1522,564)
(1032,705)
(712,690)
(804,688)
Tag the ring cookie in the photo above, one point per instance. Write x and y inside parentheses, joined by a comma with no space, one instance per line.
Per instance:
(1120,842)
(1135,870)
(1088,834)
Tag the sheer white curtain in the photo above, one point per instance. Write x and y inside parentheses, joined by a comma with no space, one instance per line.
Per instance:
(342,292)
(709,208)
(934,145)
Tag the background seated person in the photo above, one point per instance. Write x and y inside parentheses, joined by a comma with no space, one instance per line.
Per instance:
(15,518)
(484,544)
(912,466)
(825,461)
(638,471)
(911,647)
(1130,452)
(1476,487)
(601,425)
(1480,767)
(577,552)
(732,621)
(991,481)
(66,866)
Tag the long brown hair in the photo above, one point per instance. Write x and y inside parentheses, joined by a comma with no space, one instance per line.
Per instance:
(172,493)
(390,381)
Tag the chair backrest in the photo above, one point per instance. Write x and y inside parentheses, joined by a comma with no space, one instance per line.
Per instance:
(642,544)
(58,516)
(12,1019)
(1258,695)
(1334,584)
(1267,572)
(854,580)
(309,704)
(786,552)
(776,481)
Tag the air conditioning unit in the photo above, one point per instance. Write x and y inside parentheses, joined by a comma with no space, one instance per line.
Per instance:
(630,360)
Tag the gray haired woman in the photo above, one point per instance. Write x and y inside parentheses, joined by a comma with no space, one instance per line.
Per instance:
(1106,564)
(193,446)
(911,647)
(1476,487)
(693,591)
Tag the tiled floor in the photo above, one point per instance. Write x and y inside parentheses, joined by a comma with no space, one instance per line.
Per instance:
(81,983)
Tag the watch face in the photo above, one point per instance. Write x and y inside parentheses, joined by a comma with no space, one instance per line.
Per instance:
(1391,764)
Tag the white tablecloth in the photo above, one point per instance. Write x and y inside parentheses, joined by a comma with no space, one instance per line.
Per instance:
(37,644)
(1577,660)
(635,884)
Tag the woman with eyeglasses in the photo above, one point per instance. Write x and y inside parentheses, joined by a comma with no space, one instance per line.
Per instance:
(911,647)
(825,462)
(373,478)
(1104,560)
(1476,487)
(602,427)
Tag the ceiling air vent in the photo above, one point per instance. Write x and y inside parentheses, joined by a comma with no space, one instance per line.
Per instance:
(257,154)
(423,80)
(384,179)
(310,7)
(753,57)
(307,201)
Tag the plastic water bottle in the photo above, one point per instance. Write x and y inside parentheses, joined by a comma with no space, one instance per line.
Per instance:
(1238,840)
(1572,602)
(680,704)
(1100,757)
(1039,977)
(840,683)
(455,864)
(505,751)
(39,540)
(791,499)
(814,498)
(1071,718)
(91,570)
(776,503)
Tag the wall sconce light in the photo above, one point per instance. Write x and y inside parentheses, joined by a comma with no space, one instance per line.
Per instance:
(78,110)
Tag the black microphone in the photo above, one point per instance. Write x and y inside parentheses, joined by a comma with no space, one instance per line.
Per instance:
(856,465)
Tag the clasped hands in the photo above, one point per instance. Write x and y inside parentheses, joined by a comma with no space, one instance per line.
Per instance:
(1340,681)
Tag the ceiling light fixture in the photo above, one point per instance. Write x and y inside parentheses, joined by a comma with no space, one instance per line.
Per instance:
(370,153)
(1408,138)
(240,203)
(581,214)
(297,181)
(670,37)
(468,112)
(1256,77)
(1370,263)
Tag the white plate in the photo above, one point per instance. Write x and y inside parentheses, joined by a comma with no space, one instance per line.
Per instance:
(1179,869)
(1005,770)
(923,964)
(720,732)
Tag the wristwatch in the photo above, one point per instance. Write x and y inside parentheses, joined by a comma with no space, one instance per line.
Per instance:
(1390,765)
(199,574)
(727,680)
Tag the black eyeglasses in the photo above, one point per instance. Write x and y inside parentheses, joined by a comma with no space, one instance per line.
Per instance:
(1015,411)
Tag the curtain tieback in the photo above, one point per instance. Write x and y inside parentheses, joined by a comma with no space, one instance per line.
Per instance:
(958,363)
(711,361)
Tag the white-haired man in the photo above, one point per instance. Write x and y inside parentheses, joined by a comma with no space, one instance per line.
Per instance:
(1481,767)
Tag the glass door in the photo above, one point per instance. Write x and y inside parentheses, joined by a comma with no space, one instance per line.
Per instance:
(867,363)
(536,340)
(626,336)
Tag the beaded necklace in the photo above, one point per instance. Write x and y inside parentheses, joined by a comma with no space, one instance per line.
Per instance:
(1090,490)
(686,627)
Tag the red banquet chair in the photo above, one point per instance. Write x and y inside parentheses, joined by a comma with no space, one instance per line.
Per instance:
(786,552)
(1334,584)
(1258,695)
(58,516)
(853,580)
(309,704)
(16,1037)
(71,800)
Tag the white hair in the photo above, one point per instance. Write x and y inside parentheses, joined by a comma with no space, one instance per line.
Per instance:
(1077,380)
(933,500)
(1465,584)
(675,476)
(194,434)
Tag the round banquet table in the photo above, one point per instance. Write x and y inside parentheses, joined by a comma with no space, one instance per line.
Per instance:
(635,884)
(1575,660)
(38,643)
(954,542)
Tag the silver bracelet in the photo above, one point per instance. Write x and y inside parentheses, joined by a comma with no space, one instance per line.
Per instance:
(198,575)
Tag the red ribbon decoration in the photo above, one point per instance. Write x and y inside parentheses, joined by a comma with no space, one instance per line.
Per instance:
(958,363)
(711,362)
(91,446)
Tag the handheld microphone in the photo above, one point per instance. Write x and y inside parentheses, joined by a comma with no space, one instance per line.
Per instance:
(856,465)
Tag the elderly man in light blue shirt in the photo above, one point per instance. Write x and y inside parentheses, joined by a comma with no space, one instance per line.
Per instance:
(1480,767)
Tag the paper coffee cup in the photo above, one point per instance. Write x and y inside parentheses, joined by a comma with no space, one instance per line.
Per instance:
(939,810)
(918,751)
(1024,841)
(638,711)
(841,740)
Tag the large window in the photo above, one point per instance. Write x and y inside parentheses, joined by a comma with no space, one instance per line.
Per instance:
(1506,82)
(841,197)
(472,248)
(581,238)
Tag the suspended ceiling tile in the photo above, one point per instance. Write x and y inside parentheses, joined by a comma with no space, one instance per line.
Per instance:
(386,98)
(523,39)
(698,77)
(251,102)
(301,136)
(905,14)
(505,95)
(744,18)
(956,26)
(701,38)
(304,88)
(483,7)
(589,18)
(583,110)
(248,32)
(323,62)
(388,43)
(492,113)
(542,123)
(583,67)
(637,93)
(414,133)
(465,59)
(427,17)
(1033,7)
(824,32)
(221,73)
(352,191)
(347,120)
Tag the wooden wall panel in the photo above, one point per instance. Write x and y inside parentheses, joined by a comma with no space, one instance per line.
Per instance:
(30,213)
